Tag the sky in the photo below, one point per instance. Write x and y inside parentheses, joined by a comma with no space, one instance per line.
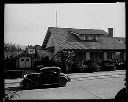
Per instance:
(27,24)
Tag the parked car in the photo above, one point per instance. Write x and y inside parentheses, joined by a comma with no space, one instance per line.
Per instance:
(47,76)
(108,65)
(92,67)
(121,66)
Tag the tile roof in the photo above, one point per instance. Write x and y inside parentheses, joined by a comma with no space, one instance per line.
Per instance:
(62,39)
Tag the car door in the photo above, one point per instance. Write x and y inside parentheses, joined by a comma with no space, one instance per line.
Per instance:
(53,77)
(44,77)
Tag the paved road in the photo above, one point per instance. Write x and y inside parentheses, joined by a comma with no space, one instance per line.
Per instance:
(98,85)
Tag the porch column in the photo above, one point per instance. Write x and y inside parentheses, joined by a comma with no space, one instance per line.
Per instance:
(124,56)
(83,56)
(114,55)
(87,56)
(105,55)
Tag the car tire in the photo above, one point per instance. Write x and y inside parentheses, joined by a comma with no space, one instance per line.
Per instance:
(62,82)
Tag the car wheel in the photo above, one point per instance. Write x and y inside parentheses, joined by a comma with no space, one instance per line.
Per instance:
(62,82)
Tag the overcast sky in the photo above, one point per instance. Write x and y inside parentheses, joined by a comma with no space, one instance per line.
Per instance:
(27,24)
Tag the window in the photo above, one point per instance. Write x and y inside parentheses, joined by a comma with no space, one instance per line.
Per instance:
(86,37)
(22,59)
(94,38)
(27,59)
(109,55)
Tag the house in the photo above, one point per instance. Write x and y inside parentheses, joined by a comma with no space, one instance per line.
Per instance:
(121,39)
(24,61)
(89,44)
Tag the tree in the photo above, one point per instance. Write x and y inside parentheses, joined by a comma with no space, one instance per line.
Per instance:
(65,60)
(11,49)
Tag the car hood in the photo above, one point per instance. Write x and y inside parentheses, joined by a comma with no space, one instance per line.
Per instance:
(62,74)
(31,75)
(34,74)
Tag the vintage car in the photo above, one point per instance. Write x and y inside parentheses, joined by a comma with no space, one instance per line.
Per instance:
(90,67)
(47,76)
(108,65)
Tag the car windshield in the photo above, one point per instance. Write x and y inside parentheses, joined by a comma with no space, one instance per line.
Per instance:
(50,70)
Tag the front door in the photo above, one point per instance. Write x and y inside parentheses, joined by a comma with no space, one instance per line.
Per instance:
(98,57)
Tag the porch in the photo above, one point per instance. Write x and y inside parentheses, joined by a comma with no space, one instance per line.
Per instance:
(97,56)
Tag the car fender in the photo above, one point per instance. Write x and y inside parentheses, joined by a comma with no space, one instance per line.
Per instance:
(28,79)
(64,76)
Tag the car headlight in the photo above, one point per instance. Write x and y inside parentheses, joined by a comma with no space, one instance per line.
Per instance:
(69,79)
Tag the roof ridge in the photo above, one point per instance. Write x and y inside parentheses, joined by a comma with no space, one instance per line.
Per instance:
(76,28)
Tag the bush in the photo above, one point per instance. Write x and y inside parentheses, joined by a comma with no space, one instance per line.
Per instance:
(12,74)
(108,65)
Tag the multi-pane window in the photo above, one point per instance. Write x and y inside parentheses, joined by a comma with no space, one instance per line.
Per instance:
(94,38)
(27,59)
(22,59)
(109,55)
(90,38)
(86,37)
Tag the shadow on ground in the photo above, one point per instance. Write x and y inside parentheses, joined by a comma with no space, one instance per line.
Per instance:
(36,87)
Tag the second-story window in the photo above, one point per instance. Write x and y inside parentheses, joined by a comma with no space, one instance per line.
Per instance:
(22,59)
(27,59)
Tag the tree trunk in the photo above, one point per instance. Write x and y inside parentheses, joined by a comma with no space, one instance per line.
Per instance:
(66,66)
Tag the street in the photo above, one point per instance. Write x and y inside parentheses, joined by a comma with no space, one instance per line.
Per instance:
(98,85)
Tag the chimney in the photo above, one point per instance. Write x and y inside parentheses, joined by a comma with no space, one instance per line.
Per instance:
(110,32)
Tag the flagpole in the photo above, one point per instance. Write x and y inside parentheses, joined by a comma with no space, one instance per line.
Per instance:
(56,18)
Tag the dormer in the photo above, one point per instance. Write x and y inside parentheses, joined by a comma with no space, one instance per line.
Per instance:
(91,35)
(86,37)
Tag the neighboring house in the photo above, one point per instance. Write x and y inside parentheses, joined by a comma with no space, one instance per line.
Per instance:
(89,44)
(24,61)
(41,53)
